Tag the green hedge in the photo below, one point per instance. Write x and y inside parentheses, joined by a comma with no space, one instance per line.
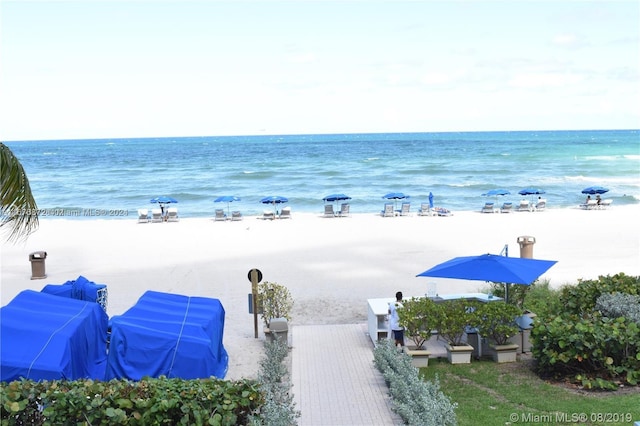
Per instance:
(146,402)
(597,349)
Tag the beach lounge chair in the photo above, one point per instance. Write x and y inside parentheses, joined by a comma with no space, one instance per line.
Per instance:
(156,215)
(388,210)
(605,203)
(143,215)
(506,208)
(220,215)
(523,206)
(285,213)
(540,205)
(344,210)
(268,215)
(404,209)
(328,210)
(441,211)
(589,205)
(236,215)
(172,214)
(425,210)
(488,208)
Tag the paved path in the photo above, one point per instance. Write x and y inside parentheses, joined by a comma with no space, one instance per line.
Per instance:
(335,382)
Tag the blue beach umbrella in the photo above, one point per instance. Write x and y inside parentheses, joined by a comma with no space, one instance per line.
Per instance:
(335,198)
(595,190)
(531,191)
(228,199)
(163,199)
(395,196)
(274,199)
(491,267)
(496,192)
(431,200)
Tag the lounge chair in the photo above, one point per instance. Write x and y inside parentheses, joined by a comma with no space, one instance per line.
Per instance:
(143,215)
(441,211)
(236,215)
(425,210)
(589,205)
(404,209)
(488,208)
(506,208)
(285,213)
(172,214)
(605,203)
(523,206)
(156,215)
(328,210)
(220,215)
(344,210)
(540,205)
(268,215)
(388,210)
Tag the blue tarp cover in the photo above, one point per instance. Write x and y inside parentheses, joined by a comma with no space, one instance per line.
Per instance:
(46,337)
(81,289)
(170,335)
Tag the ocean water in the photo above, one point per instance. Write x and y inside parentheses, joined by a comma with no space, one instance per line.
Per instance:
(112,178)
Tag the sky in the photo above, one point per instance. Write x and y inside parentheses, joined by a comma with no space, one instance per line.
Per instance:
(125,69)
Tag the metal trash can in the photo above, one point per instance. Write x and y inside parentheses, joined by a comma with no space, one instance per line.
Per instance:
(37,264)
(526,246)
(278,327)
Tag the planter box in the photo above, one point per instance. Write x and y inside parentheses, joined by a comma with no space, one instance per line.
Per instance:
(504,353)
(459,354)
(419,357)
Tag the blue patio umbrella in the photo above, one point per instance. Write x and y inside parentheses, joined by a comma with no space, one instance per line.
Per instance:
(496,192)
(595,190)
(431,200)
(162,200)
(335,198)
(274,199)
(491,267)
(395,196)
(228,199)
(531,191)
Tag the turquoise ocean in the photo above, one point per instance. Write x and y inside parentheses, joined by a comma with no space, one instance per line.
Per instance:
(112,178)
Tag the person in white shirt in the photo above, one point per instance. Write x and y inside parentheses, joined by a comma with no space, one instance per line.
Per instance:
(394,320)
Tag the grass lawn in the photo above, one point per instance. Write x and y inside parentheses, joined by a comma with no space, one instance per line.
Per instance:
(488,393)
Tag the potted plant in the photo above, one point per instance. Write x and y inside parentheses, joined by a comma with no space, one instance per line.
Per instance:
(452,319)
(417,317)
(274,304)
(497,322)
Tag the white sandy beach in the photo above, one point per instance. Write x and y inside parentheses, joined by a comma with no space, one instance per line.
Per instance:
(331,265)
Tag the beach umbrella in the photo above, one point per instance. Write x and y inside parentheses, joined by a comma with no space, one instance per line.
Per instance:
(431,200)
(274,199)
(395,196)
(531,191)
(491,267)
(163,199)
(228,199)
(595,190)
(336,198)
(496,192)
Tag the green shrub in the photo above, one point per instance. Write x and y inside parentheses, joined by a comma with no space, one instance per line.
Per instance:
(496,320)
(452,317)
(418,318)
(274,301)
(145,402)
(418,402)
(580,342)
(542,300)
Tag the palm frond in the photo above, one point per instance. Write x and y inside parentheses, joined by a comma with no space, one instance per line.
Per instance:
(18,209)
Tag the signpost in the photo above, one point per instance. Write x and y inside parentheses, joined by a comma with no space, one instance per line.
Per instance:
(255,276)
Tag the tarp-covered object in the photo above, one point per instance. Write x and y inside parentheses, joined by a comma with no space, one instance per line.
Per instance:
(46,337)
(81,289)
(170,335)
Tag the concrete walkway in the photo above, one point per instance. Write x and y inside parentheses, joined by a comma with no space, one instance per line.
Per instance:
(335,382)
